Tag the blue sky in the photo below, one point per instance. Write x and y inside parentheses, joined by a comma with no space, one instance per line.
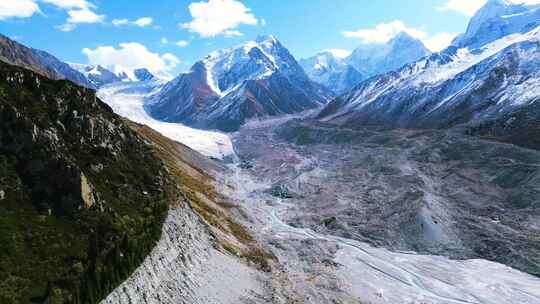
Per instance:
(172,34)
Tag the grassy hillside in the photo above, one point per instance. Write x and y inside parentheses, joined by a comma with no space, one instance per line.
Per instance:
(82,196)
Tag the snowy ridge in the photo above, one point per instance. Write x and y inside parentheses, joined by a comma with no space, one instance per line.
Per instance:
(100,75)
(228,87)
(331,71)
(455,86)
(496,19)
(219,63)
(342,73)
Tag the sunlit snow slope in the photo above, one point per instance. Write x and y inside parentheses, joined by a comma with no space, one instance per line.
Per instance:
(126,99)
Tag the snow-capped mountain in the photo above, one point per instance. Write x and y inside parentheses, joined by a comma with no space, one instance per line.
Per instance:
(100,76)
(258,78)
(455,86)
(496,19)
(331,71)
(97,75)
(374,59)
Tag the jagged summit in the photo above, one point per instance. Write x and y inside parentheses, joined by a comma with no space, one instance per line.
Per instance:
(100,75)
(266,38)
(496,19)
(257,78)
(374,59)
(331,71)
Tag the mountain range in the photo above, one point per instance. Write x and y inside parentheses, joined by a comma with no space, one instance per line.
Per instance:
(477,79)
(367,60)
(228,87)
(100,76)
(405,178)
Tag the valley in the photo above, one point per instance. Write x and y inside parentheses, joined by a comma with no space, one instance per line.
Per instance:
(402,167)
(368,216)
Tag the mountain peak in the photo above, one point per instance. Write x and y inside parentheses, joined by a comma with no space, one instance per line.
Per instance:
(498,3)
(266,38)
(496,19)
(403,39)
(403,36)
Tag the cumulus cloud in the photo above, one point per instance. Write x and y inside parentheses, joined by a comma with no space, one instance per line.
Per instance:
(17,9)
(79,11)
(465,7)
(141,22)
(70,4)
(439,41)
(384,32)
(80,16)
(119,22)
(469,7)
(232,33)
(182,43)
(215,17)
(131,55)
(339,53)
(144,21)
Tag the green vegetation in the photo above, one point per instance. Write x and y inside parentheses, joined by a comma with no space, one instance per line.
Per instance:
(54,245)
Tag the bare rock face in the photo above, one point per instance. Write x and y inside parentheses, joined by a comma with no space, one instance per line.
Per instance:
(87,192)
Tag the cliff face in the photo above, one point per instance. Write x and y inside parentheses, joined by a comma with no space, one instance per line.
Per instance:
(83,196)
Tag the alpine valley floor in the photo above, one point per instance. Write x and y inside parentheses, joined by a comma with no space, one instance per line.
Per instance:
(374,217)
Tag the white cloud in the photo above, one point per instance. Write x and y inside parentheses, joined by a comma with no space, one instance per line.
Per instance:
(384,32)
(144,21)
(232,33)
(17,9)
(465,7)
(339,53)
(131,55)
(119,22)
(70,4)
(164,40)
(216,17)
(79,11)
(84,16)
(469,7)
(80,16)
(439,41)
(182,43)
(141,22)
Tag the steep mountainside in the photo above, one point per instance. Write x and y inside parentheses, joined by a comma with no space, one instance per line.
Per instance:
(331,71)
(455,86)
(38,61)
(374,59)
(83,196)
(259,78)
